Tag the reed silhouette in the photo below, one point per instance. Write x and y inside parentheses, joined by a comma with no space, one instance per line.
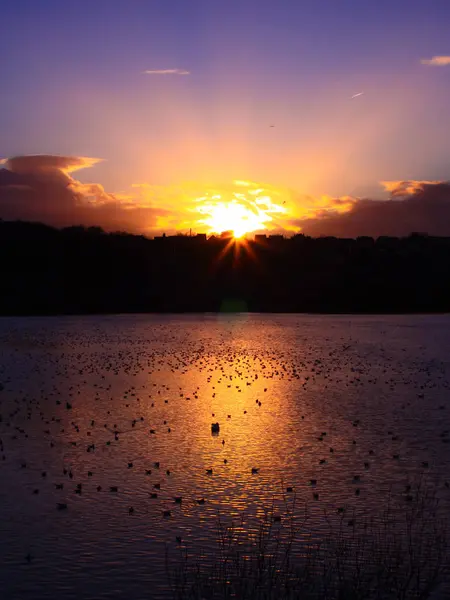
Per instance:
(398,554)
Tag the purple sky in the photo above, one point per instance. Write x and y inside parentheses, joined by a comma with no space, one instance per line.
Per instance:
(73,84)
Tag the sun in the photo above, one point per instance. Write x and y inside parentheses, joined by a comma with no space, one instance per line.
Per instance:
(232,216)
(239,213)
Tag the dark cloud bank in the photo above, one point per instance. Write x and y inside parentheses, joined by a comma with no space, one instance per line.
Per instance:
(414,206)
(40,188)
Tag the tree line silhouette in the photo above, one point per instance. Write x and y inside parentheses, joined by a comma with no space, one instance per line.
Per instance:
(80,270)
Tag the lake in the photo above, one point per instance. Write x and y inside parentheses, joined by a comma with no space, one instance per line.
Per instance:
(127,402)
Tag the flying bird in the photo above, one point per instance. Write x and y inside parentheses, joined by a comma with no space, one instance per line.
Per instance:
(356,95)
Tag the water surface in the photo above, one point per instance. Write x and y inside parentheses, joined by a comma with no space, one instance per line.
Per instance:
(145,389)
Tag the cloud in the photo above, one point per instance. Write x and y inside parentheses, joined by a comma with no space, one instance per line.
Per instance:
(43,188)
(410,187)
(44,162)
(40,188)
(167,72)
(192,206)
(436,61)
(414,206)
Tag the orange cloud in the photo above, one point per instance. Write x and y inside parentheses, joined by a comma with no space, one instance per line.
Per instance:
(407,187)
(436,61)
(207,208)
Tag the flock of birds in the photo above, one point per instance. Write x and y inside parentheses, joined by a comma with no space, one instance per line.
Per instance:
(73,441)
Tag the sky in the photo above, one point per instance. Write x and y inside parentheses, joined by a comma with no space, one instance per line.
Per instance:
(146,113)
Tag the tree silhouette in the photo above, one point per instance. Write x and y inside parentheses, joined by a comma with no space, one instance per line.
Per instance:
(85,270)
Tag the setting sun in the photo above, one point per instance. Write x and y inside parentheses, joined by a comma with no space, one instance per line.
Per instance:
(241,213)
(232,216)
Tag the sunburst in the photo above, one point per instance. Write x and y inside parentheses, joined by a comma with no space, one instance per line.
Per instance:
(241,214)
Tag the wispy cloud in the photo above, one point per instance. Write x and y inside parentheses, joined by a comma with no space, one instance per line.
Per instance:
(167,72)
(437,61)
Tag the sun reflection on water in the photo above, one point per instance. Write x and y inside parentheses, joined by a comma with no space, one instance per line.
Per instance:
(145,391)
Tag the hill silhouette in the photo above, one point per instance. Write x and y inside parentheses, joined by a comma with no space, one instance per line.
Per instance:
(80,270)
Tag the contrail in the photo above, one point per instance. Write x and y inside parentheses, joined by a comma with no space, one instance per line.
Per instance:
(356,95)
